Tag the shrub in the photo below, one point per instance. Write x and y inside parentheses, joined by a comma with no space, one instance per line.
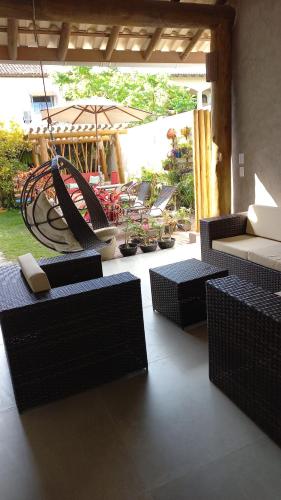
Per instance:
(14,157)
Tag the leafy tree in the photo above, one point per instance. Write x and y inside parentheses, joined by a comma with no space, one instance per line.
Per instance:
(14,156)
(151,92)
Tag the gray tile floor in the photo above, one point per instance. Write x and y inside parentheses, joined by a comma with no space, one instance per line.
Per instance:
(167,435)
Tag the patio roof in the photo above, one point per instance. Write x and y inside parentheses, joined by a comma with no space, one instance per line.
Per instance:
(65,36)
(21,70)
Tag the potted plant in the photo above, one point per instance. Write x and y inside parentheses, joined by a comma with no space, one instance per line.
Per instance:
(170,221)
(183,219)
(148,243)
(165,238)
(128,248)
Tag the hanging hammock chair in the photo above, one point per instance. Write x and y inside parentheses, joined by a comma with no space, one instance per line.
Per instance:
(55,214)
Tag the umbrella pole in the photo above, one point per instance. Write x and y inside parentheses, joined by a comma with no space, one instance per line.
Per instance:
(97,140)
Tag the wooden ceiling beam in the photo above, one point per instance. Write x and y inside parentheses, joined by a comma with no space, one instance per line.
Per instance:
(156,37)
(12,31)
(97,34)
(112,42)
(64,41)
(191,44)
(122,12)
(79,56)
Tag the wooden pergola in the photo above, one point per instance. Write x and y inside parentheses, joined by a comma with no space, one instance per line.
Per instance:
(155,31)
(77,144)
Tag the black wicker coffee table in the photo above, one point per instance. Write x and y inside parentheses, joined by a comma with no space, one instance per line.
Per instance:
(178,290)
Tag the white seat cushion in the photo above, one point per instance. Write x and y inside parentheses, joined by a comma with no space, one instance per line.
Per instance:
(56,235)
(264,221)
(269,256)
(241,245)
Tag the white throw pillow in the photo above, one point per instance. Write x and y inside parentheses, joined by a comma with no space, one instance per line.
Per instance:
(34,275)
(264,221)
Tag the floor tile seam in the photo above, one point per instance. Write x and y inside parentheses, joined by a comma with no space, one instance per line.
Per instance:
(203,466)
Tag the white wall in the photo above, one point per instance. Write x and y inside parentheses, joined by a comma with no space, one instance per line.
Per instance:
(15,97)
(147,145)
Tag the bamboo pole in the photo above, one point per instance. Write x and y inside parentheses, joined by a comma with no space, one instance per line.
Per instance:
(91,156)
(119,158)
(103,160)
(86,154)
(44,156)
(197,182)
(208,145)
(34,156)
(76,152)
(84,157)
(203,172)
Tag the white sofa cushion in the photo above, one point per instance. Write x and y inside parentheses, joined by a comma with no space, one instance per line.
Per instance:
(264,221)
(241,245)
(34,275)
(269,256)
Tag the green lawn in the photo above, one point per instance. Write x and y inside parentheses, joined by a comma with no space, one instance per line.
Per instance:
(15,239)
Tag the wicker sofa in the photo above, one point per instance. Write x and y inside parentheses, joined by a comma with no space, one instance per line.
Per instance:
(88,329)
(247,244)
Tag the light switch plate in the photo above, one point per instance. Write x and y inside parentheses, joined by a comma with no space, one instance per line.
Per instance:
(241,158)
(242,171)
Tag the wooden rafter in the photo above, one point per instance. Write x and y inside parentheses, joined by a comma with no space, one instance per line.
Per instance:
(191,44)
(64,41)
(12,30)
(122,12)
(156,37)
(197,35)
(112,42)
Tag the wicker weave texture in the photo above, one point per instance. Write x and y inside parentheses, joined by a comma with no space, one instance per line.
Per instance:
(72,268)
(244,330)
(233,225)
(76,337)
(178,290)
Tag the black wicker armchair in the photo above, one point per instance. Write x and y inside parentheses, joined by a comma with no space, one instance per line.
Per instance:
(86,330)
(244,331)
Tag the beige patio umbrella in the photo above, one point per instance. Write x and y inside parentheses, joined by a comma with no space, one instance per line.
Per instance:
(94,110)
